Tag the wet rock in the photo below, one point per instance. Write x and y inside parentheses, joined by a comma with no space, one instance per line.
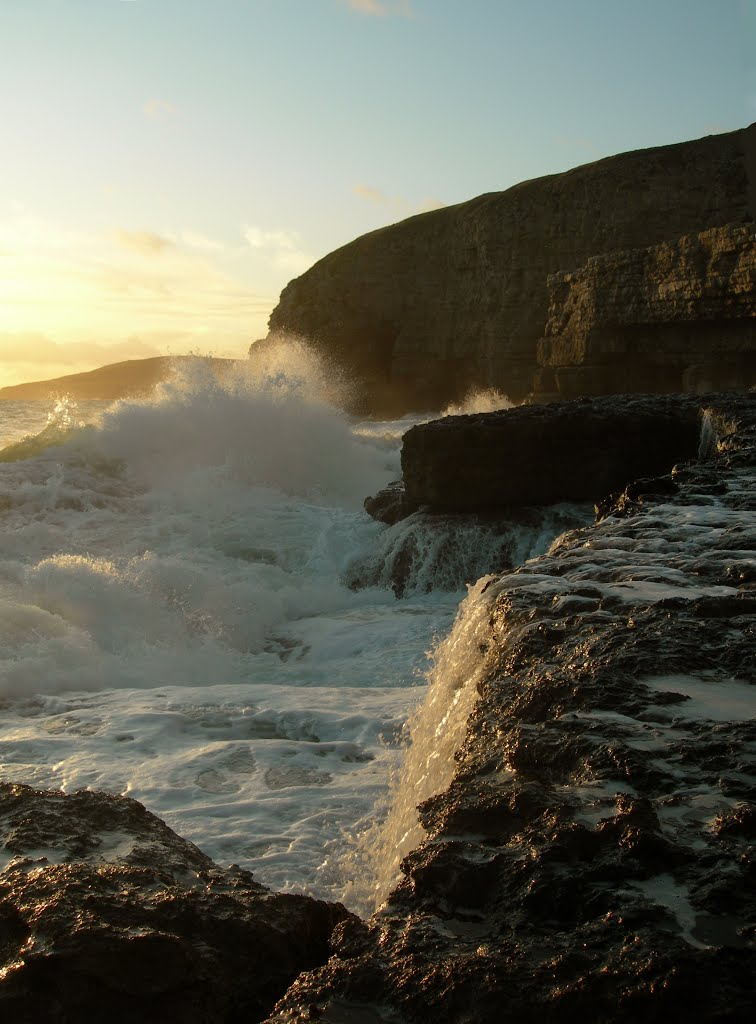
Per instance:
(592,857)
(538,455)
(106,914)
(390,504)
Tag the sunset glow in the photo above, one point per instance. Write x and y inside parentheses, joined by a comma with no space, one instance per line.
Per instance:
(169,166)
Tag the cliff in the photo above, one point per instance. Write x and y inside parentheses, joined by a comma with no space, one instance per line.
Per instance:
(676,316)
(421,312)
(128,379)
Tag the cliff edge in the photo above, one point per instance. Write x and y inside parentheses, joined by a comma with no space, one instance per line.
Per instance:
(423,311)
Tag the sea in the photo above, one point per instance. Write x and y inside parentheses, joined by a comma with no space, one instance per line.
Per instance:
(198,613)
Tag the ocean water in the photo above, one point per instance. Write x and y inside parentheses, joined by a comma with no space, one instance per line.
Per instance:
(180,621)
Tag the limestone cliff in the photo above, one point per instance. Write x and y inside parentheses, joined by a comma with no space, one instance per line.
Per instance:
(676,316)
(424,310)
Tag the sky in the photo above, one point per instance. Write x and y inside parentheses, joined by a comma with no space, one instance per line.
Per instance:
(168,166)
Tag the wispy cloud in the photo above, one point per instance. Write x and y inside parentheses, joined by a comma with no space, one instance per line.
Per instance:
(284,247)
(156,108)
(79,288)
(382,8)
(573,142)
(146,242)
(16,347)
(373,195)
(400,207)
(196,240)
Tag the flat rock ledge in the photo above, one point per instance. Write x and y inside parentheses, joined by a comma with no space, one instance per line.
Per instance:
(594,856)
(542,454)
(108,915)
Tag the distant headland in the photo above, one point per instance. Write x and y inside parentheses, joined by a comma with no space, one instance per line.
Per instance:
(129,379)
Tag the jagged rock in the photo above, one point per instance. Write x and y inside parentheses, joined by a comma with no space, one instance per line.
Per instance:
(390,504)
(106,914)
(592,858)
(538,455)
(679,316)
(423,311)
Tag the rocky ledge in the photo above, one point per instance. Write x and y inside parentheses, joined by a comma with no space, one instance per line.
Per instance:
(593,857)
(108,915)
(542,454)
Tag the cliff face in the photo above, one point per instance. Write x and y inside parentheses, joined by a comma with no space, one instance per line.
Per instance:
(676,316)
(424,310)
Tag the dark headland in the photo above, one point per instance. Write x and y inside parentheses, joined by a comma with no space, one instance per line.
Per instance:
(593,858)
(131,378)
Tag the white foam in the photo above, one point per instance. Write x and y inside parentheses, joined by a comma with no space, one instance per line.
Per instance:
(435,732)
(663,889)
(175,625)
(714,699)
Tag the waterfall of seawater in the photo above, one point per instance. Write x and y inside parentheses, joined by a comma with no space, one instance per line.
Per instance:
(436,731)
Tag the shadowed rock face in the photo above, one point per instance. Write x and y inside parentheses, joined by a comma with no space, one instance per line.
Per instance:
(108,915)
(538,455)
(422,311)
(680,316)
(593,857)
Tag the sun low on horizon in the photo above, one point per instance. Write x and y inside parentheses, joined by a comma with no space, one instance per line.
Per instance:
(169,166)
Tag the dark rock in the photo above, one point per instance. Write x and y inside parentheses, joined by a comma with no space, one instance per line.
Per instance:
(538,455)
(421,312)
(592,857)
(390,504)
(106,914)
(677,316)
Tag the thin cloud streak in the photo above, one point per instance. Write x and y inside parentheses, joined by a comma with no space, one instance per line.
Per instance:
(156,108)
(399,207)
(284,247)
(146,242)
(373,195)
(382,8)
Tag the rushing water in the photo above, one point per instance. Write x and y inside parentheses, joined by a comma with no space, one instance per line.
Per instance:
(177,622)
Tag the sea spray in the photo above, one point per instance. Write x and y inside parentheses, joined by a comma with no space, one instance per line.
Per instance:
(390,432)
(426,552)
(436,731)
(177,625)
(479,400)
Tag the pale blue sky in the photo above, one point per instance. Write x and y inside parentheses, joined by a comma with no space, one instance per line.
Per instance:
(168,165)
